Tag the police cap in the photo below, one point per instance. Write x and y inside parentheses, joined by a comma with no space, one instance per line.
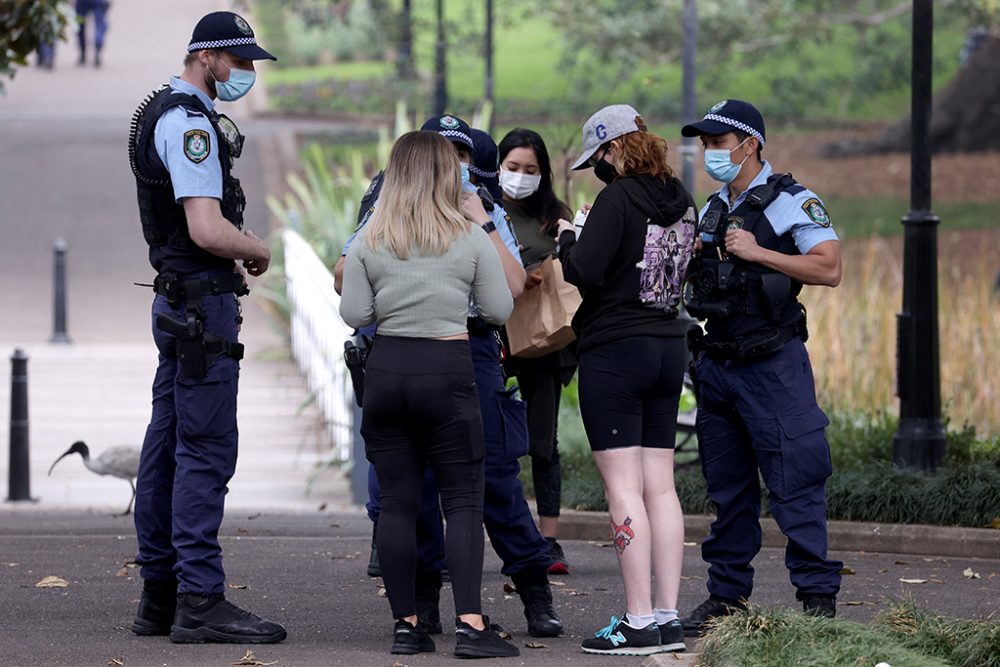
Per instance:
(229,32)
(452,128)
(726,116)
(486,162)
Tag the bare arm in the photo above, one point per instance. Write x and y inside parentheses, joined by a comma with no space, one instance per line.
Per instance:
(338,276)
(820,266)
(213,233)
(472,207)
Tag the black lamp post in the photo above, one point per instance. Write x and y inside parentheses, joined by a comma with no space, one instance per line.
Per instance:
(440,78)
(689,23)
(920,442)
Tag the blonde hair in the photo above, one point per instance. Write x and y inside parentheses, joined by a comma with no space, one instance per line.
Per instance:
(641,152)
(420,202)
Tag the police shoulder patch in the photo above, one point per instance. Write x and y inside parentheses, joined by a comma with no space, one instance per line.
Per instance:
(816,211)
(197,145)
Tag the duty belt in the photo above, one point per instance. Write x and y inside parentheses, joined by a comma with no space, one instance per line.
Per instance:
(175,288)
(753,346)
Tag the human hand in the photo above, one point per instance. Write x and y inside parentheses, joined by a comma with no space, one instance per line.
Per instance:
(585,208)
(742,244)
(258,265)
(472,208)
(564,225)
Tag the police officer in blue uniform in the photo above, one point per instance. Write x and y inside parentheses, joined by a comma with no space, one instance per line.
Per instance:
(506,515)
(762,237)
(191,208)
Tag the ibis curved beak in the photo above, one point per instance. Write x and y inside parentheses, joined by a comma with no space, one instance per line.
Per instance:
(65,454)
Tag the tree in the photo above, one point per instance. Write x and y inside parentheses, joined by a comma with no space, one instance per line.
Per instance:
(24,24)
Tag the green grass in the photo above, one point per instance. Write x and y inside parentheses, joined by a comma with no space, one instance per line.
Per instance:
(353,71)
(881,216)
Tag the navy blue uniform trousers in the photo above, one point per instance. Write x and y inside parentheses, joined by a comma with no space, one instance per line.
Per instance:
(762,415)
(506,515)
(188,457)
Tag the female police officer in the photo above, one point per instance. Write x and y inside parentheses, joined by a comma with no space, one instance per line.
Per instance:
(763,236)
(191,208)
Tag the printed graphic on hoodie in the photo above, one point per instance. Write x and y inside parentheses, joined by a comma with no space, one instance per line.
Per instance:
(665,262)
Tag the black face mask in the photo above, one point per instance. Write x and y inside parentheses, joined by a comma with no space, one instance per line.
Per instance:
(605,171)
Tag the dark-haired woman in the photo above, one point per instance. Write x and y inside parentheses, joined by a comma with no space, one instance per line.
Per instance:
(632,359)
(534,209)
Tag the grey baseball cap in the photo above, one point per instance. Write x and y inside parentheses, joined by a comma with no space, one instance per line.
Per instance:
(609,123)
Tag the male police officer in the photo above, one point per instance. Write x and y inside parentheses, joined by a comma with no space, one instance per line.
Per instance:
(506,516)
(762,237)
(191,208)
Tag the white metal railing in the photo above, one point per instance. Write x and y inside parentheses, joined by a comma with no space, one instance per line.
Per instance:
(318,336)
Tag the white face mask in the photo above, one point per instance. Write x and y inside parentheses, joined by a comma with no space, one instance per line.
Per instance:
(517,185)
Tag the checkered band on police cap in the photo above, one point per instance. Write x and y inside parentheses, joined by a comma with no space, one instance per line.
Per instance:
(726,116)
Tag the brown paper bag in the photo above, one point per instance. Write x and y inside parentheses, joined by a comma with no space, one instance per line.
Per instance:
(540,323)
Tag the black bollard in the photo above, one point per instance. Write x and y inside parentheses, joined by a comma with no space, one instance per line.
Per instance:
(19,477)
(59,334)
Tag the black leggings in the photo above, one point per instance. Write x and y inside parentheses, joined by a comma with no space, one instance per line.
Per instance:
(542,390)
(422,406)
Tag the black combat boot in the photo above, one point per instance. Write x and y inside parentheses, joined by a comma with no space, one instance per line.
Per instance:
(214,619)
(820,605)
(428,598)
(156,608)
(536,594)
(696,622)
(374,569)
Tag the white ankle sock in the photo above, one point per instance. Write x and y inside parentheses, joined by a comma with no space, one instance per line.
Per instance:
(639,622)
(664,615)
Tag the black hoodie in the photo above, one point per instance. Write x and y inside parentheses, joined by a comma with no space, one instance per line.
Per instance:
(602,263)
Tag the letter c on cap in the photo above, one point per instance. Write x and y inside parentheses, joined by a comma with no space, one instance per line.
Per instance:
(601,132)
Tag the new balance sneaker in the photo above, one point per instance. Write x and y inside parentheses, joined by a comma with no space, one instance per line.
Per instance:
(820,605)
(487,643)
(620,638)
(559,563)
(672,637)
(200,619)
(408,640)
(156,608)
(696,623)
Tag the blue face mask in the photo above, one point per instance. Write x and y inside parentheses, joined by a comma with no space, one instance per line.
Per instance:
(239,84)
(720,167)
(465,172)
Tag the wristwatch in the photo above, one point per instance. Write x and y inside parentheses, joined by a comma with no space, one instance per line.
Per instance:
(490,227)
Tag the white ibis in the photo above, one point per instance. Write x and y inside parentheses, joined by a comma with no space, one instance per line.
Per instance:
(121,462)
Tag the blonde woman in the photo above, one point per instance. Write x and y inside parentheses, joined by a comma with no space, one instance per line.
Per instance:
(411,271)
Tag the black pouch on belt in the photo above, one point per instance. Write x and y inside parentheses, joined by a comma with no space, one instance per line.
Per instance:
(191,352)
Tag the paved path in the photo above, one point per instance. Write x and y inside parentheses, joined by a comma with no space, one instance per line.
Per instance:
(307,571)
(64,173)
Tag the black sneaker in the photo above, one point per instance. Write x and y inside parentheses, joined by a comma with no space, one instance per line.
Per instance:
(620,638)
(695,623)
(559,563)
(156,608)
(472,643)
(542,618)
(428,598)
(407,640)
(214,619)
(820,605)
(672,637)
(374,569)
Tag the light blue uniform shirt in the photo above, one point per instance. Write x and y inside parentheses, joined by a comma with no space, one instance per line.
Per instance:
(498,215)
(180,140)
(787,213)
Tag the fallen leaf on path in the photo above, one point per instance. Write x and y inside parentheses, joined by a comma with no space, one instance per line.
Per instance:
(900,562)
(253,516)
(883,570)
(398,664)
(12,564)
(322,506)
(534,645)
(557,583)
(116,662)
(237,587)
(847,570)
(52,582)
(854,603)
(969,574)
(504,634)
(914,581)
(579,593)
(250,659)
(992,574)
(995,523)
(509,588)
(380,592)
(936,581)
(601,590)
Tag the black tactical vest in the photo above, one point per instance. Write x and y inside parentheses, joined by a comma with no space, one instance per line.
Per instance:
(164,225)
(736,297)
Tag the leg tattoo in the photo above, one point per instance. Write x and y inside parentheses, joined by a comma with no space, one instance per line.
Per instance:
(623,534)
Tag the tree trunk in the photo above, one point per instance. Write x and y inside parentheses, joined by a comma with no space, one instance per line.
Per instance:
(965,116)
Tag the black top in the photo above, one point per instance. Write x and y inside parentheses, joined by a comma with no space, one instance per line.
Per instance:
(602,263)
